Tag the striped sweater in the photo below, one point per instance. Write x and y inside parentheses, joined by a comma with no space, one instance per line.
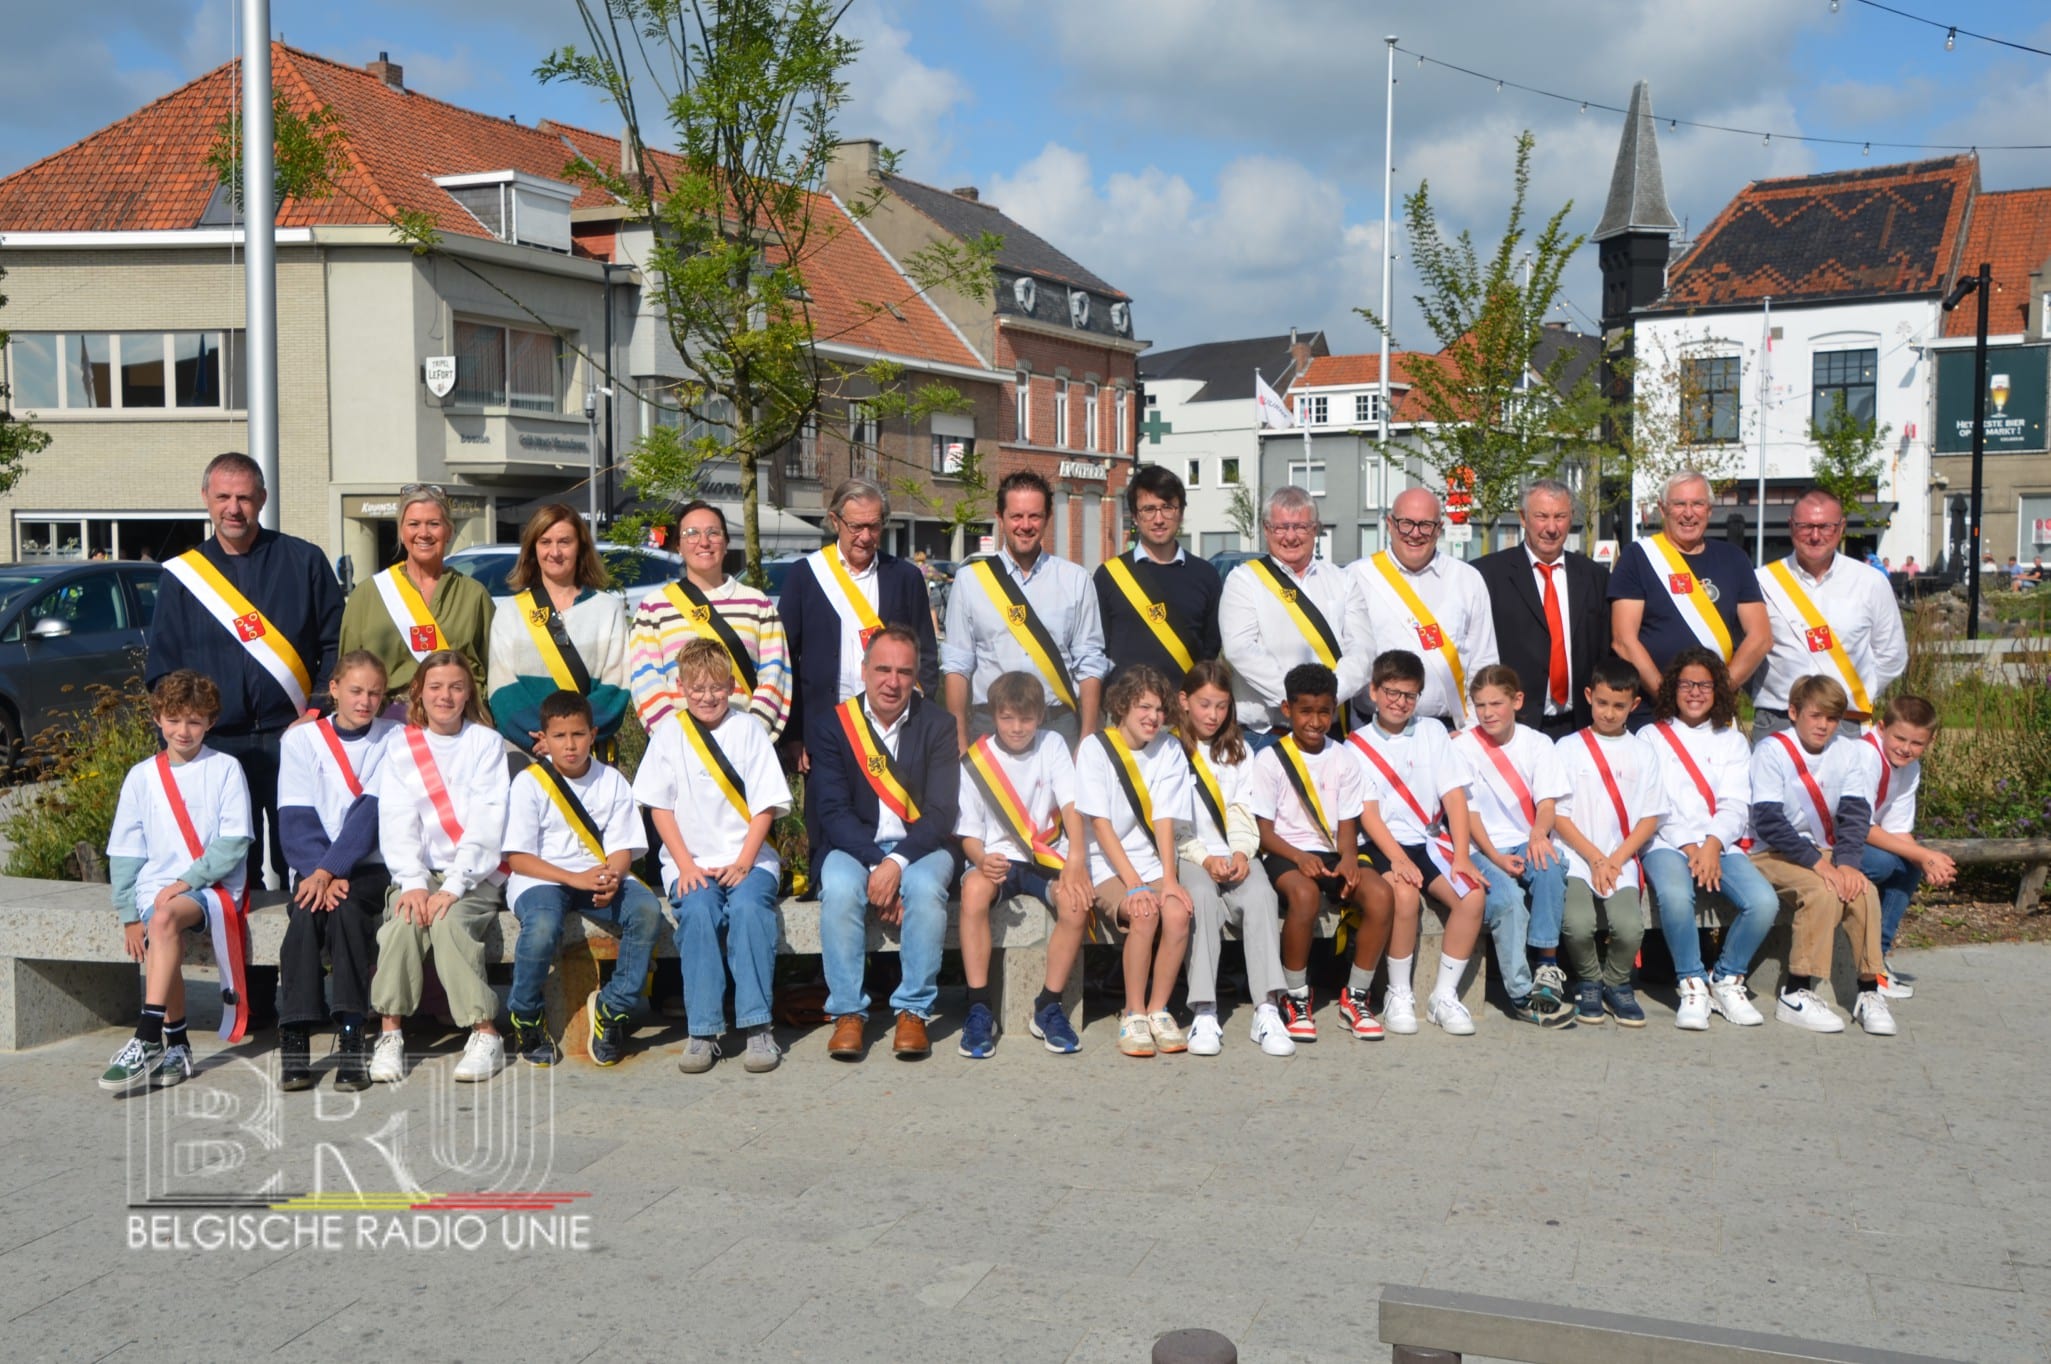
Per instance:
(660,634)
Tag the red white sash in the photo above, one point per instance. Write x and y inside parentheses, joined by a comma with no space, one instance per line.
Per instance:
(1502,762)
(1688,765)
(1461,883)
(1823,819)
(230,926)
(437,791)
(341,756)
(1872,736)
(1616,795)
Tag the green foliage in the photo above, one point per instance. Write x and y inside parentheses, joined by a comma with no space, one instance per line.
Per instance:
(18,440)
(83,767)
(1848,460)
(307,153)
(1241,511)
(1988,773)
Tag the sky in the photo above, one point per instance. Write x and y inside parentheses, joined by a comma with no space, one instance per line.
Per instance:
(1218,160)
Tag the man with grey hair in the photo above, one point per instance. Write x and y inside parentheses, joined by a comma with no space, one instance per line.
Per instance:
(1429,603)
(1289,607)
(1551,611)
(1679,589)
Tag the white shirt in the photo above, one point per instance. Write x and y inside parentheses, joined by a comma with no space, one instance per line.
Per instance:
(1201,837)
(1725,762)
(1860,774)
(1497,809)
(865,582)
(673,778)
(472,766)
(534,824)
(1421,755)
(1454,593)
(1636,769)
(1262,642)
(980,645)
(1774,779)
(1164,769)
(308,776)
(216,799)
(1043,778)
(1859,607)
(889,828)
(1333,775)
(1559,581)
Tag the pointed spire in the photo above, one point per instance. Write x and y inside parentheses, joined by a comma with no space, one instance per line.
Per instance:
(1637,191)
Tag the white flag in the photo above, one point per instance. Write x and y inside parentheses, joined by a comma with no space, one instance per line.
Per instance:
(1274,413)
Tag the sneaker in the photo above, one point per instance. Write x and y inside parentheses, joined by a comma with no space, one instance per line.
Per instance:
(762,1055)
(1588,1003)
(1135,1038)
(1296,1010)
(1521,1010)
(1887,965)
(295,1068)
(1206,1037)
(1869,1011)
(1399,1013)
(388,1058)
(350,1050)
(1357,1016)
(1623,1005)
(978,1033)
(1693,1013)
(1051,1026)
(484,1056)
(131,1066)
(1168,1035)
(1893,987)
(176,1067)
(531,1042)
(700,1054)
(1549,996)
(1271,1032)
(1806,1009)
(1727,996)
(1449,1014)
(609,1031)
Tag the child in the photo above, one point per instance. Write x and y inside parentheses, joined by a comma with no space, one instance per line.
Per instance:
(176,854)
(1020,835)
(1894,862)
(713,787)
(1306,801)
(1612,809)
(327,818)
(572,832)
(1132,784)
(441,820)
(1814,848)
(1220,840)
(1516,778)
(1416,818)
(1706,781)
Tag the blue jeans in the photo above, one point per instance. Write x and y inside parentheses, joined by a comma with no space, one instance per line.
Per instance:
(844,931)
(748,914)
(1896,879)
(1515,923)
(634,911)
(1744,889)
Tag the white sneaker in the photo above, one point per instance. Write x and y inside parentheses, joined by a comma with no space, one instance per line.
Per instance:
(1727,996)
(1206,1038)
(1270,1031)
(1892,987)
(388,1058)
(1870,1012)
(484,1056)
(1450,1014)
(1693,1013)
(1806,1009)
(1887,965)
(1399,1014)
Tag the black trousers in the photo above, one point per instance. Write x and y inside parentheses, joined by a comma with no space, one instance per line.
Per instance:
(347,935)
(257,751)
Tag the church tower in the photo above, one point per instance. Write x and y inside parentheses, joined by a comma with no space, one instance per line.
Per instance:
(1637,227)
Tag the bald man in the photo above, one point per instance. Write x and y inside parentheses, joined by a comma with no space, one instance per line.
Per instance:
(1436,606)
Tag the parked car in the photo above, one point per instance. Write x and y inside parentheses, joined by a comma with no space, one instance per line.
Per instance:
(635,572)
(1225,560)
(63,627)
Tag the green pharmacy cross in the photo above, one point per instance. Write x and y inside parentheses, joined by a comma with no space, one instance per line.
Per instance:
(1153,428)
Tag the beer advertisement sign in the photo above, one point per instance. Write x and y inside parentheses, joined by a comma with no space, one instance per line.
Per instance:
(2015,399)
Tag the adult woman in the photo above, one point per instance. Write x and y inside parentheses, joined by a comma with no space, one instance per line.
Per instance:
(562,634)
(708,604)
(419,606)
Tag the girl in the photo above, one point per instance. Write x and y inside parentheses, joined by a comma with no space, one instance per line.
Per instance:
(1217,850)
(441,818)
(562,633)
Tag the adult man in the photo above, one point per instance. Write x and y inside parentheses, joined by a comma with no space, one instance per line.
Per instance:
(1427,602)
(1024,610)
(1828,617)
(1159,605)
(261,614)
(1677,589)
(885,787)
(1286,608)
(1551,613)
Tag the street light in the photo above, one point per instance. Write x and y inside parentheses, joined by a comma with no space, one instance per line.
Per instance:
(1983,285)
(591,392)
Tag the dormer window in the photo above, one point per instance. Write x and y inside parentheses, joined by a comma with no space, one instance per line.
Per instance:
(519,209)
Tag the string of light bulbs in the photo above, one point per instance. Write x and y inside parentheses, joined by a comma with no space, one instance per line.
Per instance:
(1952,32)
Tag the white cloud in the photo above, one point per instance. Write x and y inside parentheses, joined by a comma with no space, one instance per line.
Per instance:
(896,98)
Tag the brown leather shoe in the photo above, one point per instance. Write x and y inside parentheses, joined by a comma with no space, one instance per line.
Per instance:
(846,1044)
(910,1042)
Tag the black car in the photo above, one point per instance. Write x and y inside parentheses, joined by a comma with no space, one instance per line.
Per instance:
(63,627)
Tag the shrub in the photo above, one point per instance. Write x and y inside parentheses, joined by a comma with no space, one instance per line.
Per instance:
(1988,775)
(83,765)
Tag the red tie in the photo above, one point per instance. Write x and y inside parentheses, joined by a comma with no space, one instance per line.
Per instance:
(1558,632)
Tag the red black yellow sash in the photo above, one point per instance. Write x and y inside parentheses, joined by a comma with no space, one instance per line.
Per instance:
(879,769)
(980,763)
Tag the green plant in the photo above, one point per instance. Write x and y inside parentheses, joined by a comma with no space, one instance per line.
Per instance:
(1988,773)
(85,765)
(1848,460)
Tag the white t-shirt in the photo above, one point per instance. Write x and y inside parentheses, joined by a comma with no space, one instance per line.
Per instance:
(1863,772)
(673,778)
(217,800)
(1636,769)
(309,778)
(1043,778)
(1496,805)
(1100,794)
(1333,774)
(1422,756)
(1725,761)
(472,766)
(534,824)
(1775,778)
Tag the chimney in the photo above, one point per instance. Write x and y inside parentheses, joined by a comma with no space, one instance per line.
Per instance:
(1299,354)
(863,156)
(388,71)
(968,192)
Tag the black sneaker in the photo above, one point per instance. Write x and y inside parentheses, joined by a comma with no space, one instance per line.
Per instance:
(609,1029)
(295,1068)
(1548,997)
(531,1042)
(352,1070)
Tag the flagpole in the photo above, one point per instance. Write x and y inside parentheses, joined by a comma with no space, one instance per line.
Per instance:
(1260,448)
(1765,388)
(1381,482)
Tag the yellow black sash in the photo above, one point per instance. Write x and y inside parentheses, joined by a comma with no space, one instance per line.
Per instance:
(879,769)
(1310,622)
(551,635)
(1127,767)
(1027,628)
(1298,773)
(716,764)
(704,619)
(1154,613)
(1207,789)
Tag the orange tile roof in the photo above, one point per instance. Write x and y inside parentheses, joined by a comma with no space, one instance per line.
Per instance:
(1335,371)
(2011,230)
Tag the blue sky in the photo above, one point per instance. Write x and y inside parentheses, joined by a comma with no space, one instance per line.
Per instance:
(1220,160)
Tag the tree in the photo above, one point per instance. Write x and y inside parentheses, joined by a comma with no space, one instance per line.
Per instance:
(1487,406)
(18,440)
(1241,512)
(1848,461)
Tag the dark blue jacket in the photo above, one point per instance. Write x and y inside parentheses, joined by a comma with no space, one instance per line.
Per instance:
(812,629)
(844,805)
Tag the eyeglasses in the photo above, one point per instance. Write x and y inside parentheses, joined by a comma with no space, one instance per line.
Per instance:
(708,534)
(1686,684)
(709,691)
(1403,525)
(862,527)
(1397,698)
(1292,527)
(408,489)
(1815,527)
(1149,510)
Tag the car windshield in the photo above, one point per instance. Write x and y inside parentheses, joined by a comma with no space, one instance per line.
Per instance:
(775,571)
(13,584)
(638,568)
(488,568)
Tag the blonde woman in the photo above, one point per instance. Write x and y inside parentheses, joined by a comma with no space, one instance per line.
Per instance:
(419,606)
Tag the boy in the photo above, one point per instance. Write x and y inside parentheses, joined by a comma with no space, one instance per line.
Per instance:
(1021,835)
(572,833)
(1813,849)
(1307,797)
(1611,811)
(713,787)
(1417,820)
(176,854)
(1515,775)
(1894,862)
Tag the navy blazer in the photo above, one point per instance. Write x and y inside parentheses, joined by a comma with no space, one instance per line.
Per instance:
(1522,638)
(812,628)
(844,805)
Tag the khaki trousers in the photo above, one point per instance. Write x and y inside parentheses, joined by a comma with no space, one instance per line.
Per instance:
(1818,912)
(456,940)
